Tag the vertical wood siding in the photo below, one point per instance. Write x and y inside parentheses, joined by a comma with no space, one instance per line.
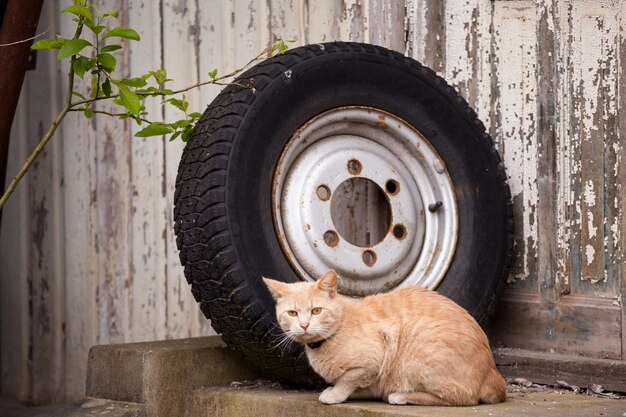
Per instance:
(87,251)
(514,129)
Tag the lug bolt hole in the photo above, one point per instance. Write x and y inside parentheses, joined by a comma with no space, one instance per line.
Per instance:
(323,192)
(392,187)
(369,257)
(354,167)
(331,238)
(399,231)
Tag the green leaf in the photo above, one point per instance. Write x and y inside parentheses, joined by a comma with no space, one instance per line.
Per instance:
(72,47)
(134,82)
(111,48)
(160,76)
(106,88)
(181,105)
(95,88)
(213,74)
(122,32)
(175,135)
(181,123)
(114,14)
(88,112)
(130,100)
(79,95)
(107,61)
(280,46)
(154,129)
(81,65)
(95,28)
(187,134)
(46,44)
(79,10)
(195,115)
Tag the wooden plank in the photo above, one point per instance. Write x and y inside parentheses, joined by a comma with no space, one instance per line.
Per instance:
(546,368)
(613,152)
(15,378)
(593,127)
(80,278)
(250,29)
(586,81)
(45,213)
(213,48)
(386,18)
(351,20)
(621,85)
(319,22)
(468,49)
(186,41)
(426,33)
(81,261)
(148,282)
(214,53)
(548,79)
(113,244)
(287,21)
(515,113)
(577,325)
(565,174)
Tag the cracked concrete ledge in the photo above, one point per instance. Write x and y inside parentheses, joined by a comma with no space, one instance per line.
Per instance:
(264,402)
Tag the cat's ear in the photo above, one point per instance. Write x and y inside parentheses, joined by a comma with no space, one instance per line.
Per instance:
(277,289)
(328,283)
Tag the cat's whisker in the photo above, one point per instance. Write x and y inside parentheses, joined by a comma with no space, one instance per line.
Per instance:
(284,341)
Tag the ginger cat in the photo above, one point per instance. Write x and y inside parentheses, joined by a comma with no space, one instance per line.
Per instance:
(409,346)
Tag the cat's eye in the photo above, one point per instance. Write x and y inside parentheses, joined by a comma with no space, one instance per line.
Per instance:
(316,310)
(292,313)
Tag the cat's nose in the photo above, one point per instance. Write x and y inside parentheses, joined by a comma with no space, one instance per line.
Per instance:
(304,326)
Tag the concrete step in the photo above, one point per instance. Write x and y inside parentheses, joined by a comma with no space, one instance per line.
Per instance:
(160,376)
(195,377)
(275,402)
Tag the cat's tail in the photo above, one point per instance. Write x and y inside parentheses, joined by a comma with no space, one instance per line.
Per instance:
(493,389)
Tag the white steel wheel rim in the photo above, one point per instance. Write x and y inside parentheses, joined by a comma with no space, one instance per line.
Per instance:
(388,149)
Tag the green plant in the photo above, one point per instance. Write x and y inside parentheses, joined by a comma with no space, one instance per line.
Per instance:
(95,60)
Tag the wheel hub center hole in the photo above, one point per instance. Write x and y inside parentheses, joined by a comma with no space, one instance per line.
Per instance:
(361,212)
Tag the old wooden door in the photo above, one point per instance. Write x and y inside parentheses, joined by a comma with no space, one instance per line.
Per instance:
(549,77)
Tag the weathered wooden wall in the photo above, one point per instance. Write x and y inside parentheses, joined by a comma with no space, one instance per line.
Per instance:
(87,253)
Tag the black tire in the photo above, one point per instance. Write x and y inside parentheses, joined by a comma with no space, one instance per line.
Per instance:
(223,216)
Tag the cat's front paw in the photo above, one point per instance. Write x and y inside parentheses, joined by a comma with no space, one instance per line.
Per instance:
(396,398)
(332,396)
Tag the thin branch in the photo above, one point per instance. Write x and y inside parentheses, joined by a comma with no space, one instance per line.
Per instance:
(215,81)
(44,140)
(112,114)
(26,40)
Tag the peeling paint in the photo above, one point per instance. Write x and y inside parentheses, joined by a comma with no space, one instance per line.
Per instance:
(589,194)
(589,254)
(515,58)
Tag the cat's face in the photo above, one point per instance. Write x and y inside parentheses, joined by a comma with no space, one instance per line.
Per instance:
(307,312)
